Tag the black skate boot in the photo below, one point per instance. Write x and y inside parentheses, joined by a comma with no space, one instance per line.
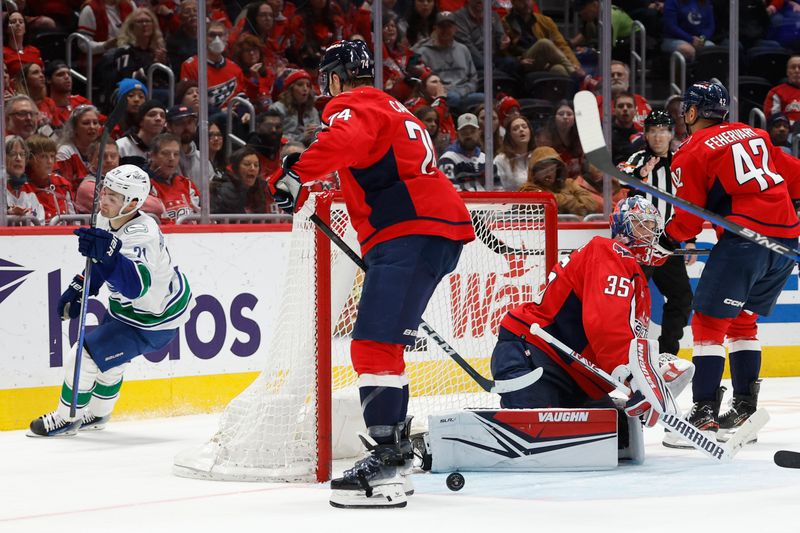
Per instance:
(742,407)
(53,425)
(407,451)
(704,416)
(377,480)
(92,422)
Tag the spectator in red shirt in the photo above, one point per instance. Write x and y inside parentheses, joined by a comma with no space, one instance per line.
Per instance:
(16,52)
(620,83)
(52,190)
(8,87)
(80,130)
(785,98)
(57,76)
(432,92)
(30,81)
(225,78)
(260,21)
(182,39)
(315,26)
(398,60)
(178,195)
(84,196)
(259,73)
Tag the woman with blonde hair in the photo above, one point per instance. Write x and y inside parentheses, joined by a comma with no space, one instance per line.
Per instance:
(140,44)
(80,130)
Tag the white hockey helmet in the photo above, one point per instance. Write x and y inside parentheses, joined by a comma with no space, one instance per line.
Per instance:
(131,182)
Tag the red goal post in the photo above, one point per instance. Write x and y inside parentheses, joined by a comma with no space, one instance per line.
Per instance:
(281,427)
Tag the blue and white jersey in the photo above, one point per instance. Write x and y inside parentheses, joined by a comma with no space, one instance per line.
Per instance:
(164,297)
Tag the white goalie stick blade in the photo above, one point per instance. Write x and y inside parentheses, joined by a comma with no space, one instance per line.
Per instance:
(747,431)
(587,118)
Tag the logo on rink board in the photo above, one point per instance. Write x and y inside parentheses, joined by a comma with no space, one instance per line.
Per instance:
(12,276)
(212,328)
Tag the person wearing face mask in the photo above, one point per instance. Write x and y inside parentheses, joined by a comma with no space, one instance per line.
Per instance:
(20,195)
(178,195)
(267,140)
(225,78)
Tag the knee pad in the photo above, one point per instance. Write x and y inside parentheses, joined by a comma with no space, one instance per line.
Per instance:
(371,357)
(708,329)
(743,327)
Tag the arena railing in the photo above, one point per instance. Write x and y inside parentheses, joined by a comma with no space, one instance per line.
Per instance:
(232,138)
(87,79)
(638,58)
(676,61)
(161,67)
(222,218)
(757,118)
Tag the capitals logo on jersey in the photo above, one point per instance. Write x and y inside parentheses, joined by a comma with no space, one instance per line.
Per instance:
(219,94)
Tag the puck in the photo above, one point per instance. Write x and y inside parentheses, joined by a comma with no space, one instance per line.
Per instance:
(787,459)
(455,481)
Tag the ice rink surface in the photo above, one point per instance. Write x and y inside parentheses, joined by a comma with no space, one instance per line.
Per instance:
(120,480)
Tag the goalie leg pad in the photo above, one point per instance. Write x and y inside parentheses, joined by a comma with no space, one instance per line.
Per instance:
(524,440)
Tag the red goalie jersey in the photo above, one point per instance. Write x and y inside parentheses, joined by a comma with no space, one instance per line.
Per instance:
(596,301)
(735,171)
(387,167)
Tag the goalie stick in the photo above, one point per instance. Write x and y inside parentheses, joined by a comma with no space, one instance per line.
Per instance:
(111,121)
(497,387)
(590,132)
(711,448)
(787,459)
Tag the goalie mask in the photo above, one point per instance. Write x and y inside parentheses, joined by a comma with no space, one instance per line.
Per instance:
(637,224)
(132,183)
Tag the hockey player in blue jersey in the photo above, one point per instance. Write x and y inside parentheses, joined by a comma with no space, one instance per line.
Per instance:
(149,299)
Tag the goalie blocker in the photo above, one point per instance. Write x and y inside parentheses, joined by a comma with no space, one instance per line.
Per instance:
(532,440)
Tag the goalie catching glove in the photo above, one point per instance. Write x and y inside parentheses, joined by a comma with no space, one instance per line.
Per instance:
(650,397)
(285,187)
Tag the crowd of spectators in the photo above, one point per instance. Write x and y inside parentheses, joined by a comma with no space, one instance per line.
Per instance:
(267,52)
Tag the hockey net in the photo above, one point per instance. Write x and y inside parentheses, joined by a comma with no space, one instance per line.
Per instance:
(279,428)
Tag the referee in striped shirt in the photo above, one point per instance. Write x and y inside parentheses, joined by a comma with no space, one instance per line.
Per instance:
(652,165)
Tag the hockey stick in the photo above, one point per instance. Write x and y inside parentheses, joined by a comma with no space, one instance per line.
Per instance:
(787,459)
(111,121)
(587,118)
(678,424)
(497,387)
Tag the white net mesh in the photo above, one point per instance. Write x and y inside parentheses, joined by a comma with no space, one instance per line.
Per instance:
(269,431)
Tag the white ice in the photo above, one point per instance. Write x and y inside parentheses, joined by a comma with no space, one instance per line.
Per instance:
(120,480)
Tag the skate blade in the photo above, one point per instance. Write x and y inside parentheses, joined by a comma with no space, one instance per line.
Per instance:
(679,443)
(725,436)
(70,433)
(383,497)
(93,427)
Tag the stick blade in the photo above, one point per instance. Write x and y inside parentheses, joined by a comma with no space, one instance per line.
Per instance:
(518,383)
(787,459)
(746,431)
(587,117)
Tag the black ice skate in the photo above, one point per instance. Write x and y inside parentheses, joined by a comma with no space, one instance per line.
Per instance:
(704,416)
(376,481)
(91,422)
(742,407)
(53,425)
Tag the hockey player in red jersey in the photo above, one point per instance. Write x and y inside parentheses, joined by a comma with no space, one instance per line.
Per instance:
(733,170)
(411,225)
(596,301)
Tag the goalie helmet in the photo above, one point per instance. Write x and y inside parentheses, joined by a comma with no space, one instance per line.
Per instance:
(637,224)
(710,98)
(131,182)
(350,60)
